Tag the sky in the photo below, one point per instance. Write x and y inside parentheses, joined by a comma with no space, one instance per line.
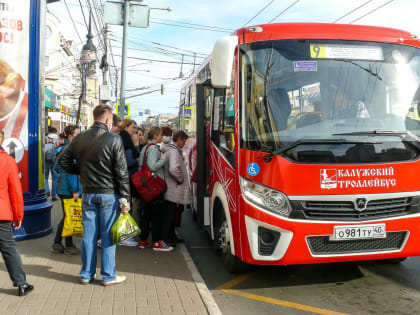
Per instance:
(176,45)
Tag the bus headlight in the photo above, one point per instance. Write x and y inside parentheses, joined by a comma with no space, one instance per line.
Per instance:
(265,197)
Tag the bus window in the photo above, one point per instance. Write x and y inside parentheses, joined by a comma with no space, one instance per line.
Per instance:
(223,126)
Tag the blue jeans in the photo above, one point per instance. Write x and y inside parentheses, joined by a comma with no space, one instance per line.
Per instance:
(54,176)
(99,212)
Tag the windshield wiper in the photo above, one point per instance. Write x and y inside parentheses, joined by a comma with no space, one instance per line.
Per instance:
(371,132)
(413,140)
(268,157)
(375,74)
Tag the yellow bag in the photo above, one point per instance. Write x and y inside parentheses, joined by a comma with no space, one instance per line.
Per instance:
(73,220)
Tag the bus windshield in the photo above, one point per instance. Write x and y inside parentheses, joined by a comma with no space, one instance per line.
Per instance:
(330,101)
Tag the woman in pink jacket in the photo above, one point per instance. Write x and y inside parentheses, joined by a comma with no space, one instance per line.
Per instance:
(11,213)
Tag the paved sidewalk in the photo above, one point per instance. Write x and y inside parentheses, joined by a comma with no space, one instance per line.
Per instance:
(157,283)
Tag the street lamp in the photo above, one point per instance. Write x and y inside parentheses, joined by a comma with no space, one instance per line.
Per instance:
(87,66)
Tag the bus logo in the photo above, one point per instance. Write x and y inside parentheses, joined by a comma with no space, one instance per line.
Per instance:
(361,204)
(328,178)
(253,169)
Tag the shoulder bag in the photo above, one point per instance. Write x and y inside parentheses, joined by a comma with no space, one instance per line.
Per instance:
(149,185)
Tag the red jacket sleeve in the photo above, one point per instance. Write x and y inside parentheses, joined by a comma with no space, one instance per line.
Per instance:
(15,191)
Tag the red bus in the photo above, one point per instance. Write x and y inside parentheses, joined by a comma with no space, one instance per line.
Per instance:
(307,144)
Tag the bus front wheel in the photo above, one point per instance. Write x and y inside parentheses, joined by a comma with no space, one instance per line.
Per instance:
(232,263)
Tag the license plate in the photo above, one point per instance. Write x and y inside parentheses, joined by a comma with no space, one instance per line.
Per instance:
(356,232)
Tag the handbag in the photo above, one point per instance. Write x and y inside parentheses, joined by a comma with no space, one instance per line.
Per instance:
(73,220)
(149,185)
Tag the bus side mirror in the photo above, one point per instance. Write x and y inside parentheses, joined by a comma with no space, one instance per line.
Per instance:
(222,61)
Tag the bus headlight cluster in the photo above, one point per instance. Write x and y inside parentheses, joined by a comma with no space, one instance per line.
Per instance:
(265,197)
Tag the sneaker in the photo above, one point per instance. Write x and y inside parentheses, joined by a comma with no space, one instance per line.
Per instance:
(84,282)
(118,279)
(98,244)
(54,199)
(170,243)
(57,248)
(143,244)
(162,247)
(72,250)
(128,242)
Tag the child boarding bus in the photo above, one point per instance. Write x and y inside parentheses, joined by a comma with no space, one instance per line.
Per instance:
(307,144)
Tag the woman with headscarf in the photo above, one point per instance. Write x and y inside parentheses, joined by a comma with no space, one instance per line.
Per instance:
(178,193)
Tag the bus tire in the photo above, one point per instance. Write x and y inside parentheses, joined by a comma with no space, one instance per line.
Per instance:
(222,240)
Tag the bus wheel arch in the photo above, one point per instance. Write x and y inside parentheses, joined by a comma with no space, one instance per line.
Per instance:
(220,211)
(222,235)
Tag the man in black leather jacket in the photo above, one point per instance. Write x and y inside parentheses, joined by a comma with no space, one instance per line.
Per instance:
(98,157)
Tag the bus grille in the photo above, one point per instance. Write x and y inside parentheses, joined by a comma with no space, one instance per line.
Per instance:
(345,210)
(321,245)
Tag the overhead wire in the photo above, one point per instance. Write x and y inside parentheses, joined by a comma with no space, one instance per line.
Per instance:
(191,27)
(92,16)
(71,18)
(347,14)
(370,12)
(156,60)
(259,12)
(160,44)
(193,24)
(99,14)
(160,52)
(83,13)
(289,7)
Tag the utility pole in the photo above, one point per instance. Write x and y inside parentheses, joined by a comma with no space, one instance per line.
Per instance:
(118,13)
(124,57)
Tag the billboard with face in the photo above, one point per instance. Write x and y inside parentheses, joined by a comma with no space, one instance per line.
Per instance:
(14,64)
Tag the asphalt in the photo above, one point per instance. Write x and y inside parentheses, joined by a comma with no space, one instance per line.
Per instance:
(157,282)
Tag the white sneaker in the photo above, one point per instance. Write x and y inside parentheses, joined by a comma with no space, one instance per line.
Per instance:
(128,242)
(82,281)
(118,279)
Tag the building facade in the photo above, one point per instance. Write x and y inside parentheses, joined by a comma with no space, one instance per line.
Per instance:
(67,85)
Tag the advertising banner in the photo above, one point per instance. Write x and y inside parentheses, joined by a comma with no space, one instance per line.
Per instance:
(47,97)
(14,63)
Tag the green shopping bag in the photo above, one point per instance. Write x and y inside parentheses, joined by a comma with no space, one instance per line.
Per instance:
(124,228)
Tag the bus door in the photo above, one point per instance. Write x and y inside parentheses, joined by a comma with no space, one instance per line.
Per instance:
(204,93)
(222,152)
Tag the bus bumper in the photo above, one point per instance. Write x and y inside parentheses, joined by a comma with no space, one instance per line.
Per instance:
(274,240)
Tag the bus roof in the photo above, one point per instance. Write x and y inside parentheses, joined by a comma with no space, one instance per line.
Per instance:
(325,31)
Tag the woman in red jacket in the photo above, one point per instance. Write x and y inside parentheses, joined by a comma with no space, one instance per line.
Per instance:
(11,211)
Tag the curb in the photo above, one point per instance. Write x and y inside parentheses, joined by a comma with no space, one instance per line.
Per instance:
(205,294)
